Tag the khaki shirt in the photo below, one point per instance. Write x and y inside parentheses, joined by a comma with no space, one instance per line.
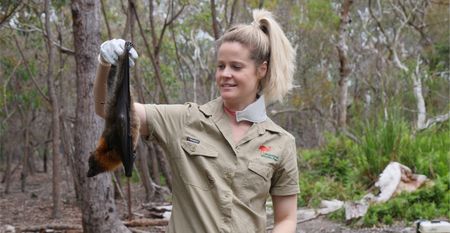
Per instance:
(220,186)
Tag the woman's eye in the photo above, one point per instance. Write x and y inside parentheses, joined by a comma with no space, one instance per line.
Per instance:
(220,66)
(237,67)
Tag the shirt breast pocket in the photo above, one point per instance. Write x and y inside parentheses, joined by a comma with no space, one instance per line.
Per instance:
(196,168)
(258,178)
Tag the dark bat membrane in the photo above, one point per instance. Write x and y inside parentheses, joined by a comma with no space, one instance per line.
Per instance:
(120,135)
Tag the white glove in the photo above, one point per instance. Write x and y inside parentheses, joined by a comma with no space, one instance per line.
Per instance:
(110,51)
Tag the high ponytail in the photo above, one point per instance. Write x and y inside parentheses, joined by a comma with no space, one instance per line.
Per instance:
(279,80)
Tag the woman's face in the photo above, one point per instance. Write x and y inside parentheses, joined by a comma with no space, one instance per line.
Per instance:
(237,76)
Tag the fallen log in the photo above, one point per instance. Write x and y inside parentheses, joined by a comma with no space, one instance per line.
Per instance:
(53,226)
(144,222)
(138,231)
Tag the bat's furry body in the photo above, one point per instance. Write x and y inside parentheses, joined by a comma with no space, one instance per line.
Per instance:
(111,150)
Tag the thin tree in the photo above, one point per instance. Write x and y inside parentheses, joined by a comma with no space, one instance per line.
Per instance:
(344,69)
(56,131)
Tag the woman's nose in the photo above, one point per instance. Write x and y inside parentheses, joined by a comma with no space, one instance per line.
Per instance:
(226,72)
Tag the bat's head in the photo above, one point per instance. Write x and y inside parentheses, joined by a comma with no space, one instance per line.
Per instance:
(95,167)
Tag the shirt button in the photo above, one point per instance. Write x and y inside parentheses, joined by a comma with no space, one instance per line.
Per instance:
(210,178)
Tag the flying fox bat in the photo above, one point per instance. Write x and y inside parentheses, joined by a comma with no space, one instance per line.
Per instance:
(120,135)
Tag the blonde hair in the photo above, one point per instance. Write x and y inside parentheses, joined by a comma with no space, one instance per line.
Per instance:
(267,42)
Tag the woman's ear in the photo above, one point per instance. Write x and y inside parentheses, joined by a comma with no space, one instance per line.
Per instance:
(261,70)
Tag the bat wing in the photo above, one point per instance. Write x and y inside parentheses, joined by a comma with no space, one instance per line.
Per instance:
(124,107)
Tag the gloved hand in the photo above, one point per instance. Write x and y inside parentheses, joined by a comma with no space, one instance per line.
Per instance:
(110,51)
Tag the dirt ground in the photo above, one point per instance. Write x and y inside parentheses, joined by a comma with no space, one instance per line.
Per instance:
(34,208)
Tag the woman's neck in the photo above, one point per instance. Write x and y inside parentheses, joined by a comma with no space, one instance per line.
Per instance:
(237,106)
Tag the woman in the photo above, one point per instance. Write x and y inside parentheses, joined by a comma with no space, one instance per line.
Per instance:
(227,156)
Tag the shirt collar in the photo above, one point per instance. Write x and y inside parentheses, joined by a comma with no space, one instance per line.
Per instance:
(254,112)
(215,110)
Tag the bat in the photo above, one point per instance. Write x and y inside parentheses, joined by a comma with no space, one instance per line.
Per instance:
(120,135)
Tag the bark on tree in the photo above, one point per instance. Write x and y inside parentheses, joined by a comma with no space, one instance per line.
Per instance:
(344,69)
(56,136)
(95,194)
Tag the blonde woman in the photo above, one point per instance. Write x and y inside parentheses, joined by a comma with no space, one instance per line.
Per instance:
(227,156)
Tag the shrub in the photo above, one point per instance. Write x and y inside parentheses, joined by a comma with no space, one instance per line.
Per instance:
(431,202)
(345,170)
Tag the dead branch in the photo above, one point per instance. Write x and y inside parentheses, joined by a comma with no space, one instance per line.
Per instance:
(32,28)
(437,119)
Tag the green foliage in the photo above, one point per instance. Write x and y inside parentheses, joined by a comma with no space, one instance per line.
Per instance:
(427,151)
(315,188)
(427,203)
(345,169)
(439,56)
(333,160)
(320,13)
(380,142)
(59,4)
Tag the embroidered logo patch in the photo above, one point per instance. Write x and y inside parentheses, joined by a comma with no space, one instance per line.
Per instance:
(265,153)
(263,148)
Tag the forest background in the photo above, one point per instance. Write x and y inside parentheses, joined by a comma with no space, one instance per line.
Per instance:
(372,86)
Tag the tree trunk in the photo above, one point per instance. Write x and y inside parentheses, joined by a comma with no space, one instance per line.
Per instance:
(420,101)
(143,169)
(162,161)
(215,24)
(96,194)
(56,136)
(344,69)
(26,153)
(8,172)
(154,163)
